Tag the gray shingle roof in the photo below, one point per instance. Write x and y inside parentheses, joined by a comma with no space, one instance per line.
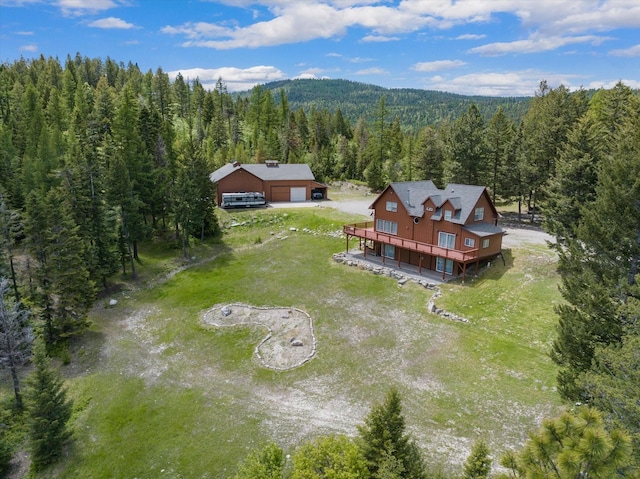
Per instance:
(266,173)
(483,229)
(463,198)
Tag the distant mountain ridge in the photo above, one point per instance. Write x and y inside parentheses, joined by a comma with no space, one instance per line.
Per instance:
(415,108)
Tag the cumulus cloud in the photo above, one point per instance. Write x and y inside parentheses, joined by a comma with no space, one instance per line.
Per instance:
(112,23)
(236,79)
(296,21)
(437,65)
(626,52)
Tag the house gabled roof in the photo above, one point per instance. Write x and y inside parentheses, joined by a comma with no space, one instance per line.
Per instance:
(413,195)
(266,173)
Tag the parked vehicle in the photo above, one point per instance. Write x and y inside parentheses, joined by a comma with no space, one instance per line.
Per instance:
(242,200)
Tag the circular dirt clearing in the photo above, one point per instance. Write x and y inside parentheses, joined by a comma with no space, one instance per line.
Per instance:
(290,341)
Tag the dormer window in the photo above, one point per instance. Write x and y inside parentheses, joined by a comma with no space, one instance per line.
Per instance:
(447,215)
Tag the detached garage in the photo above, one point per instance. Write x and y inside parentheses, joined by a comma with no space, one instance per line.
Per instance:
(278,183)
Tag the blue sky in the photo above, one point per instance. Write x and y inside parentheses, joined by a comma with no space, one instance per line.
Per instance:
(485,47)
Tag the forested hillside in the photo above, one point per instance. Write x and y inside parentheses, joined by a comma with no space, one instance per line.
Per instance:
(414,108)
(98,158)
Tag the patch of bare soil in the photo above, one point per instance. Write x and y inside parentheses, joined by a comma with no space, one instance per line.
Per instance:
(290,341)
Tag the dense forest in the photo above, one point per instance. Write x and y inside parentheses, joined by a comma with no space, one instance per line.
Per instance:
(97,157)
(414,108)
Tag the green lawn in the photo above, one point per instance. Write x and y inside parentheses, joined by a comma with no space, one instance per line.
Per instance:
(159,395)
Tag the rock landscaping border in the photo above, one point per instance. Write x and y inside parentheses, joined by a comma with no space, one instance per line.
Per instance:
(290,341)
(402,279)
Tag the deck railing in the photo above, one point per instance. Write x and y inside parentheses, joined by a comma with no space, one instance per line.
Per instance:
(367,231)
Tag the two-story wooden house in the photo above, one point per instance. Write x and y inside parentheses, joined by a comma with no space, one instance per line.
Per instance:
(445,230)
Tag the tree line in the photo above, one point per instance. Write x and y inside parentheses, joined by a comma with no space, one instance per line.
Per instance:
(97,158)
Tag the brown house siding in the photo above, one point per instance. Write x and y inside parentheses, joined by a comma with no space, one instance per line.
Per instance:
(238,181)
(417,234)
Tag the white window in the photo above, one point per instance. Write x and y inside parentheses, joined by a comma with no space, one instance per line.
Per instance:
(470,242)
(447,215)
(444,265)
(479,214)
(392,206)
(485,243)
(446,240)
(386,226)
(389,251)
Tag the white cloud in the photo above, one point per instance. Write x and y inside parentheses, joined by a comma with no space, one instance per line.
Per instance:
(470,36)
(295,21)
(510,83)
(112,23)
(236,79)
(359,60)
(29,48)
(379,38)
(627,52)
(25,33)
(372,71)
(609,84)
(82,7)
(536,44)
(437,65)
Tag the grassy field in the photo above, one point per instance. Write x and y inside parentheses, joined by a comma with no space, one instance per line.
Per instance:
(158,394)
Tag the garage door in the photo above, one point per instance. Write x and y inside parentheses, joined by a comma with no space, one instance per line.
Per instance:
(279,193)
(299,194)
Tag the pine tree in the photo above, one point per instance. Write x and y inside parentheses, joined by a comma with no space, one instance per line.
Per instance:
(383,435)
(599,267)
(15,337)
(478,464)
(49,411)
(467,162)
(612,385)
(500,137)
(571,446)
(64,291)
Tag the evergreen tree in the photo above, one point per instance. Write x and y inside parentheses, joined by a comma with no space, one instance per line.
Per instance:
(573,185)
(467,161)
(478,464)
(49,411)
(383,435)
(10,229)
(600,265)
(265,463)
(64,291)
(550,117)
(571,446)
(612,385)
(500,137)
(430,155)
(15,337)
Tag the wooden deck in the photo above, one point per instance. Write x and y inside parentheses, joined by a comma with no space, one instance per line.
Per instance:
(366,231)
